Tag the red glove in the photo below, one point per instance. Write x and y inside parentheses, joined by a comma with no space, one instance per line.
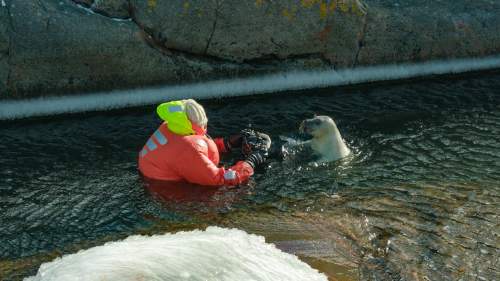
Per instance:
(228,143)
(233,141)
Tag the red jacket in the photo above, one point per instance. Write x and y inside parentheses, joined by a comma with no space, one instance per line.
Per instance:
(194,158)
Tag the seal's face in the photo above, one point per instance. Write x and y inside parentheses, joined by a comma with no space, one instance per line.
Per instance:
(327,141)
(317,126)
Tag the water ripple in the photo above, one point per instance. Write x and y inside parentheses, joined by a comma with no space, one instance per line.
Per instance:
(424,174)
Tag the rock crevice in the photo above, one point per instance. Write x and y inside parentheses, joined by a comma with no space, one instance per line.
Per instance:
(114,9)
(361,39)
(218,4)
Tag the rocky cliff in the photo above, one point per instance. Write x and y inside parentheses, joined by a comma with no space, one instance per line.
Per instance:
(63,46)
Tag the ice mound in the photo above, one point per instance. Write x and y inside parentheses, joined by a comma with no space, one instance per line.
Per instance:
(214,254)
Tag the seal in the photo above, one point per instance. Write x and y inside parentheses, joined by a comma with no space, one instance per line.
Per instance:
(327,142)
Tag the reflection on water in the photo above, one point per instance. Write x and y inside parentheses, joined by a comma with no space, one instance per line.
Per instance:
(418,200)
(191,199)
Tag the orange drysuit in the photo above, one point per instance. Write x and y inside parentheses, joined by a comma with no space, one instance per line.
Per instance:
(192,158)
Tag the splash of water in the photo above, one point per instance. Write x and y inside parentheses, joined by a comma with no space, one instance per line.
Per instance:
(214,254)
(238,87)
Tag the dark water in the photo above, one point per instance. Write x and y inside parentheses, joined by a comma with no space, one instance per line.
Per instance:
(418,200)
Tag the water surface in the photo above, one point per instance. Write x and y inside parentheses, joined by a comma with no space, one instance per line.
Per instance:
(418,199)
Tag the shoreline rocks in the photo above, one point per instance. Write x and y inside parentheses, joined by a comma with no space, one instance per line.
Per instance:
(61,47)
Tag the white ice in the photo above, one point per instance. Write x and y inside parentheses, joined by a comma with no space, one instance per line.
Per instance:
(214,254)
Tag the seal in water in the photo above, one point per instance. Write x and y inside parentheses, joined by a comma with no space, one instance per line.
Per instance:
(327,142)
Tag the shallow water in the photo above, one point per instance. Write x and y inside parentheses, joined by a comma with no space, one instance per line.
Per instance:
(418,200)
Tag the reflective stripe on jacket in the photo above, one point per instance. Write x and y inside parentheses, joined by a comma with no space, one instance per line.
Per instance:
(193,158)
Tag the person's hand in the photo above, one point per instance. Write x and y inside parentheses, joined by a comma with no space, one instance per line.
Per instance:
(256,159)
(253,141)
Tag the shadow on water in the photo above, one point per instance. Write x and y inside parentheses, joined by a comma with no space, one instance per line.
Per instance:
(417,200)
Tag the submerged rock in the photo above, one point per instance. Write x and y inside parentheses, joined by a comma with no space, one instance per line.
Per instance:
(49,47)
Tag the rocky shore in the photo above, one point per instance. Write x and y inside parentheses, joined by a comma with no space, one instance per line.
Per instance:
(50,47)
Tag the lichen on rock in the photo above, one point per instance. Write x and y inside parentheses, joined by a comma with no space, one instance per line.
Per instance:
(242,31)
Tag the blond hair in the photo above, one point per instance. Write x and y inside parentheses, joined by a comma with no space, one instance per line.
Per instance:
(195,112)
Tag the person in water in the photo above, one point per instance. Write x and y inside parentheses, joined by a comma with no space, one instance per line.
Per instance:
(181,150)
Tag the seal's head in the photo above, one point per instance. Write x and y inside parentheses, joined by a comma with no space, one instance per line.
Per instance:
(318,126)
